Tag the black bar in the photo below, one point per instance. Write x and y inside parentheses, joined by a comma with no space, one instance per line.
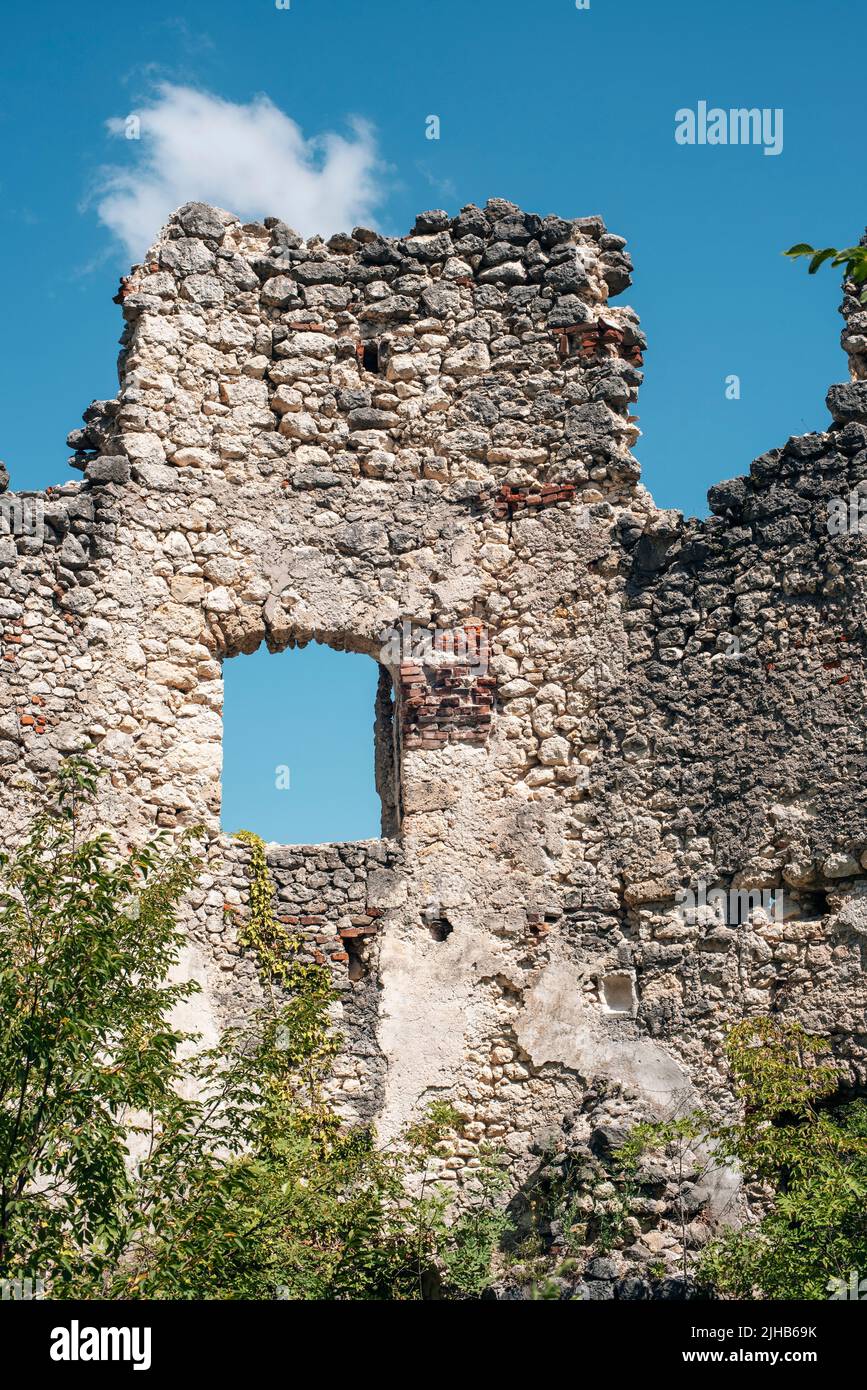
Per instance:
(615,1338)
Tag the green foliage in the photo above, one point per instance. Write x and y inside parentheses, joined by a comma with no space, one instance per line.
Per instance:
(854,258)
(607,1223)
(608,1226)
(804,1156)
(678,1138)
(809,1154)
(263,932)
(468,1246)
(306,1209)
(669,1135)
(88,1061)
(300,1028)
(576,1203)
(135,1164)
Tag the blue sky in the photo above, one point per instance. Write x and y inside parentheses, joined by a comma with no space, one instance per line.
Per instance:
(559,109)
(298,746)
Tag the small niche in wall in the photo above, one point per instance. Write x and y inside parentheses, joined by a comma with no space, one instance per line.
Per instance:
(370,357)
(617,993)
(358,963)
(437,922)
(812,904)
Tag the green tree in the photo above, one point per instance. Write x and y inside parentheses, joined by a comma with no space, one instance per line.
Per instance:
(133,1163)
(802,1152)
(807,1150)
(88,1062)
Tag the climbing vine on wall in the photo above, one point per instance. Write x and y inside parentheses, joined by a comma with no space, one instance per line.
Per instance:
(302,1030)
(263,932)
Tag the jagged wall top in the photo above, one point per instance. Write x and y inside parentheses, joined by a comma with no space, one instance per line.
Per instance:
(445,320)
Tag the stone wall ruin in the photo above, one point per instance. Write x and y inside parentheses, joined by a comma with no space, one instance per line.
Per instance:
(338,441)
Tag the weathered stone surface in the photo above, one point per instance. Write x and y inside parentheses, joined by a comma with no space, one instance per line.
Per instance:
(419,449)
(108,470)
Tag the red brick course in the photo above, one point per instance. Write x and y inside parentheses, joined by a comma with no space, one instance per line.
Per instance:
(595,341)
(511,499)
(443,704)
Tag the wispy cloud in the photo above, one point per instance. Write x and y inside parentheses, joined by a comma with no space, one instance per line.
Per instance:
(252,159)
(444,187)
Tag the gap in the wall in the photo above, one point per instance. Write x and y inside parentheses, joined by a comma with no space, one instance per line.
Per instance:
(298,746)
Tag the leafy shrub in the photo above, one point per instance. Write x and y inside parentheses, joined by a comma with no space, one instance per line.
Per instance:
(134,1163)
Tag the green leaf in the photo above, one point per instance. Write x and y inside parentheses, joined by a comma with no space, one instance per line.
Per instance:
(820,258)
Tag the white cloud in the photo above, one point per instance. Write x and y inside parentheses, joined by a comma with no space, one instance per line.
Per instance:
(250,159)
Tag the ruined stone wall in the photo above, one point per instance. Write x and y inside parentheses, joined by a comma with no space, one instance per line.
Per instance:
(354,440)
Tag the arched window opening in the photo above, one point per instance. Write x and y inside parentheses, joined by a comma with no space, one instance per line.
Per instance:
(308,746)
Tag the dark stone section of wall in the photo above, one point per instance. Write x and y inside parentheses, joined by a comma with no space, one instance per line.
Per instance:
(732,756)
(329,896)
(387,755)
